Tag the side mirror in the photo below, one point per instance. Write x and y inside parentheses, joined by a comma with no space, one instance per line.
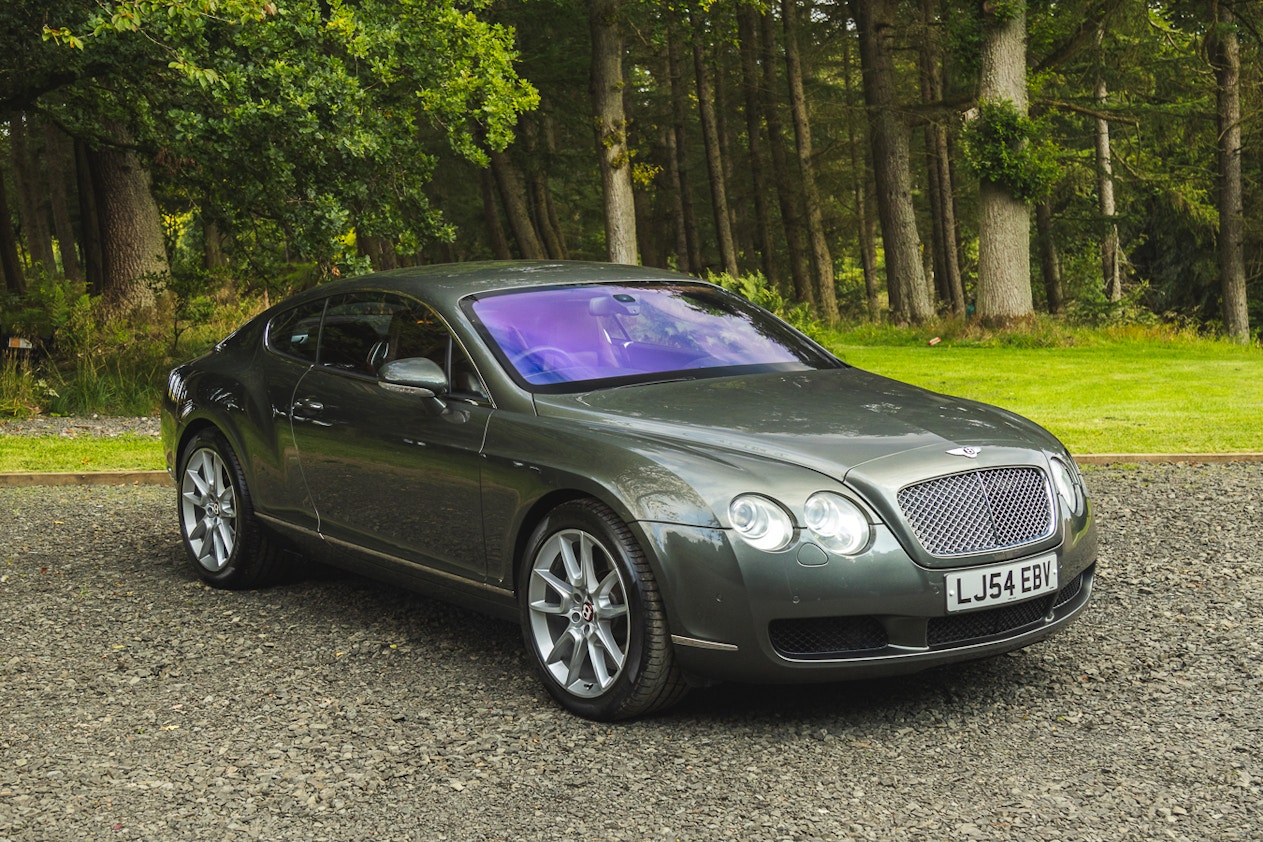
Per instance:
(416,373)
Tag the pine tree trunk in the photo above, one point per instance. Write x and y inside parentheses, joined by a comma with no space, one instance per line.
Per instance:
(32,189)
(89,219)
(1004,224)
(714,161)
(516,207)
(134,253)
(691,256)
(825,292)
(213,248)
(10,263)
(611,130)
(787,195)
(747,34)
(1111,260)
(942,192)
(491,217)
(892,166)
(859,190)
(57,154)
(1227,60)
(545,215)
(1049,258)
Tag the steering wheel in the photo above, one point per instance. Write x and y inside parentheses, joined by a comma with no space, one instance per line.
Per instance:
(548,357)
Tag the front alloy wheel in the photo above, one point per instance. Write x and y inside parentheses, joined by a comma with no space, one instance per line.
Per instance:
(228,546)
(208,509)
(593,618)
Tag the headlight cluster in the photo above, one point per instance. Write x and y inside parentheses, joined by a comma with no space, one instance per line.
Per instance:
(1068,482)
(834,522)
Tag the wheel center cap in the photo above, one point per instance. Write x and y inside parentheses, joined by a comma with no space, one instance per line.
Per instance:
(212,508)
(588,612)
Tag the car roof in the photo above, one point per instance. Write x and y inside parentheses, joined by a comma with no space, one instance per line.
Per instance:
(443,285)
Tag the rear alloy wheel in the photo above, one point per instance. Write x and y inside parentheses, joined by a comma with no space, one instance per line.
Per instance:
(593,618)
(224,540)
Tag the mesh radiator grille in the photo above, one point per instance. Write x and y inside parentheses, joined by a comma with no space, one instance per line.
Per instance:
(979,511)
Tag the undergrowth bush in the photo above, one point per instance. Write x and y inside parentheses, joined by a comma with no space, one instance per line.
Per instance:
(89,362)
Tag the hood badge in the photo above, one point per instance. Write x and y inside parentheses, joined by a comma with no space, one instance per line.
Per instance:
(968,452)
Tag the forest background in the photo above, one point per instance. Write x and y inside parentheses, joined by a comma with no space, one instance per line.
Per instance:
(967,170)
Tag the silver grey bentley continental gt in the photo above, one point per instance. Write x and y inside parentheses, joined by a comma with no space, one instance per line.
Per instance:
(662,483)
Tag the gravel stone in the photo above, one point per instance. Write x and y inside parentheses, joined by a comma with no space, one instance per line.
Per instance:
(138,704)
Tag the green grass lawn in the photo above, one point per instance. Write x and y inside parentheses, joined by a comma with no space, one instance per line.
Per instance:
(49,454)
(1098,396)
(1125,397)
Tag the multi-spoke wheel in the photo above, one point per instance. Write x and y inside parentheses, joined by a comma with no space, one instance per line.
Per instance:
(224,540)
(593,618)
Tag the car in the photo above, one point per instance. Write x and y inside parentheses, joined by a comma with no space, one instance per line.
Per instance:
(664,484)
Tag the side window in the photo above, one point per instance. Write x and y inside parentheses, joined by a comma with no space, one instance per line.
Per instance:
(295,332)
(353,337)
(415,331)
(364,331)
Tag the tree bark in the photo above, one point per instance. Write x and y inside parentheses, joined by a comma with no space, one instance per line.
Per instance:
(57,154)
(691,255)
(491,216)
(1049,258)
(714,160)
(1232,273)
(89,219)
(516,207)
(892,168)
(213,245)
(611,130)
(1004,264)
(788,197)
(545,215)
(747,35)
(1111,260)
(825,292)
(10,263)
(134,253)
(941,193)
(865,234)
(32,189)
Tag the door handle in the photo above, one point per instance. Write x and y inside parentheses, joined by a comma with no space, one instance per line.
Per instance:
(307,407)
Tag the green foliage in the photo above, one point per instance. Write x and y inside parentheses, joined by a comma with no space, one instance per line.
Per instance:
(754,288)
(1007,148)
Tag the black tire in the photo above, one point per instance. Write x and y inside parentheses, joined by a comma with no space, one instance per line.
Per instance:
(227,545)
(592,616)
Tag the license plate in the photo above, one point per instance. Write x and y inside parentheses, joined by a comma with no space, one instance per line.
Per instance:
(985,587)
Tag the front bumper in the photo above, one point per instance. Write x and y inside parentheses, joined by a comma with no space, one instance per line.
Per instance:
(801,615)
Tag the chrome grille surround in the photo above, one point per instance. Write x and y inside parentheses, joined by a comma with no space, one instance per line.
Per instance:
(980,511)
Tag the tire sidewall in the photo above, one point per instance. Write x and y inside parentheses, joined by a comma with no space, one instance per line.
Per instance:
(584,515)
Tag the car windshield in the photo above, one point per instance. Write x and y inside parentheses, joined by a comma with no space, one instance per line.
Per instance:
(581,337)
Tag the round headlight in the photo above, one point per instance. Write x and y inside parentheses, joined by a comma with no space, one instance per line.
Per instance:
(762,523)
(1064,480)
(837,523)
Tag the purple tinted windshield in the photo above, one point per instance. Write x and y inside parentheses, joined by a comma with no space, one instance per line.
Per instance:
(569,335)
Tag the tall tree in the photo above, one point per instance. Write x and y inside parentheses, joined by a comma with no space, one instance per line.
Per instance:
(711,143)
(747,36)
(822,259)
(1111,259)
(134,251)
(789,198)
(892,167)
(1004,220)
(1226,57)
(610,120)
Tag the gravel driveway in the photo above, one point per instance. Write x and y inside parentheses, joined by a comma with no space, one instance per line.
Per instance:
(137,704)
